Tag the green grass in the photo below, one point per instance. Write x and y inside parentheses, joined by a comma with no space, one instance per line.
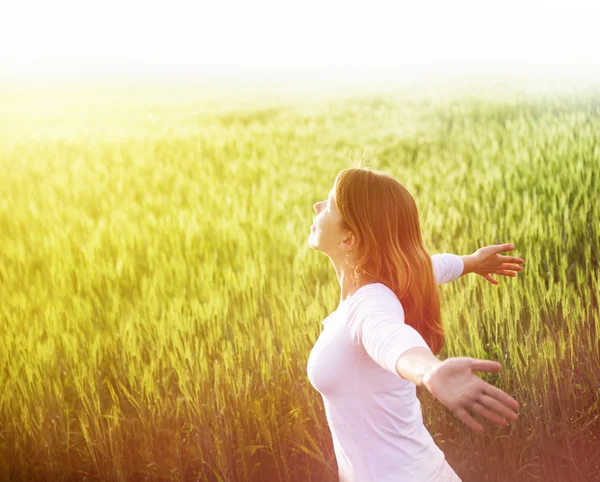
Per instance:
(158,299)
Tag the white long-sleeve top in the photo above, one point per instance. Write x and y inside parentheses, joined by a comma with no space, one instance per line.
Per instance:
(373,413)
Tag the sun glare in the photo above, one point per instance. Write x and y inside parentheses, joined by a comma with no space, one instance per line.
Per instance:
(311,39)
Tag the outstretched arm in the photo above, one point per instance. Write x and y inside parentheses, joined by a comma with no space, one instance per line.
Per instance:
(377,323)
(448,267)
(453,383)
(484,262)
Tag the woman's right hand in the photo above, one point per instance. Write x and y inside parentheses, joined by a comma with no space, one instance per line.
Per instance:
(453,383)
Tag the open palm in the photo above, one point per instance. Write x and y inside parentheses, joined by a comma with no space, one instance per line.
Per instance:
(454,384)
(489,261)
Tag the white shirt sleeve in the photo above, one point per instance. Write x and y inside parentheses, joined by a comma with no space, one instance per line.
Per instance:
(447,267)
(382,331)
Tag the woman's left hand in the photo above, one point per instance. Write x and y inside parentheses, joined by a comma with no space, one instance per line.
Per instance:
(453,384)
(487,261)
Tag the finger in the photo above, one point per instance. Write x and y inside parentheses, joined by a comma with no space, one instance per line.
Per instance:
(490,279)
(504,247)
(505,272)
(502,396)
(496,406)
(464,416)
(478,408)
(510,259)
(512,267)
(485,366)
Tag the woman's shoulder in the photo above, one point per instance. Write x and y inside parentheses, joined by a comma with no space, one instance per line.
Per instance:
(373,298)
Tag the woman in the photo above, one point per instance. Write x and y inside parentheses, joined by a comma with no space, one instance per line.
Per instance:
(382,339)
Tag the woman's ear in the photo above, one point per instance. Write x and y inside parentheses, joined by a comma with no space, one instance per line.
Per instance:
(350,242)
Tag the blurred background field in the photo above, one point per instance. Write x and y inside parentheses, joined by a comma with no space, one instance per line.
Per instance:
(158,299)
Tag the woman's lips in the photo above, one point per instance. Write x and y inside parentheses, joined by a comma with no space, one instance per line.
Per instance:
(313,228)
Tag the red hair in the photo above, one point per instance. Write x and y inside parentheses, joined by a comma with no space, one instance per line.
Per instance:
(384,217)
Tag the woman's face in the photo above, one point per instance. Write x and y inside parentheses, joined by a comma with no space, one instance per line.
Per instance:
(326,233)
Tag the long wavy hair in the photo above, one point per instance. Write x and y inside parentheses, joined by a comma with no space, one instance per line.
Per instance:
(384,217)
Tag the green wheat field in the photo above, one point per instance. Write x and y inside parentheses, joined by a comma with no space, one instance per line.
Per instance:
(158,298)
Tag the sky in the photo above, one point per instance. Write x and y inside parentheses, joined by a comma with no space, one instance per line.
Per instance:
(301,40)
